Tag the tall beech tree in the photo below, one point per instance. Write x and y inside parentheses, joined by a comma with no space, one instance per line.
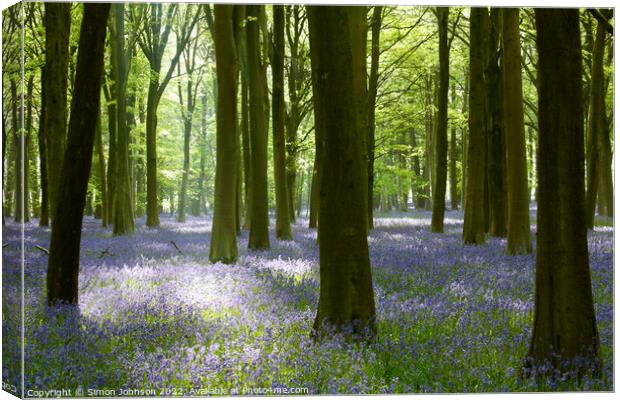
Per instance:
(123,217)
(440,140)
(519,241)
(224,233)
(495,137)
(473,227)
(64,256)
(259,226)
(153,40)
(283,223)
(346,294)
(371,102)
(564,332)
(57,30)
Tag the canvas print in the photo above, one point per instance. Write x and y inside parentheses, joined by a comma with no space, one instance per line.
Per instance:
(272,199)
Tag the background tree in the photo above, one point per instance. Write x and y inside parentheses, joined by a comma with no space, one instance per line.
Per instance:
(564,332)
(64,255)
(153,40)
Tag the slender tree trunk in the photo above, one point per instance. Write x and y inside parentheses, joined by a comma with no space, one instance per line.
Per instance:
(454,194)
(103,188)
(428,145)
(417,193)
(519,241)
(441,133)
(346,294)
(496,146)
(17,146)
(123,209)
(373,79)
(564,332)
(473,227)
(27,146)
(109,91)
(283,224)
(223,237)
(44,210)
(57,30)
(259,228)
(64,257)
(152,216)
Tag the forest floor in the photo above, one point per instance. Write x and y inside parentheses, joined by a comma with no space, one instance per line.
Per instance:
(451,318)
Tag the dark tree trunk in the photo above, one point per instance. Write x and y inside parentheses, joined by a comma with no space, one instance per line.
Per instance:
(565,332)
(473,227)
(417,192)
(441,131)
(283,223)
(64,257)
(57,30)
(346,294)
(496,147)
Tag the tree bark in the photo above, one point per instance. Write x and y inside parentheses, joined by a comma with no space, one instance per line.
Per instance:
(57,30)
(223,236)
(441,131)
(44,208)
(454,194)
(496,146)
(283,224)
(123,220)
(103,188)
(473,227)
(17,146)
(373,79)
(259,228)
(346,296)
(519,241)
(64,256)
(564,332)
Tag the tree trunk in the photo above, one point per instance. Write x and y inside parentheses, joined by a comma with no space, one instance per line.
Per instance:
(283,223)
(473,227)
(17,146)
(259,228)
(223,236)
(27,146)
(454,194)
(564,332)
(57,30)
(44,210)
(108,91)
(64,257)
(416,191)
(496,146)
(152,216)
(103,188)
(313,219)
(519,241)
(441,131)
(123,208)
(346,294)
(373,79)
